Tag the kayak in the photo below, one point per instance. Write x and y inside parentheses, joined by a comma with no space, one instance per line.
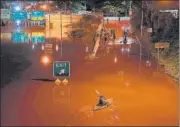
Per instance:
(97,107)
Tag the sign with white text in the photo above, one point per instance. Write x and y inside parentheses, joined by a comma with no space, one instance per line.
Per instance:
(37,15)
(61,69)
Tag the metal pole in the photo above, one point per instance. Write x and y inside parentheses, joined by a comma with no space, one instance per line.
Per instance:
(49,26)
(140,48)
(65,7)
(86,5)
(130,5)
(140,52)
(61,33)
(142,19)
(158,60)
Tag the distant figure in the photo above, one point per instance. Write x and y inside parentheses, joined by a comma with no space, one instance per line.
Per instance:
(102,101)
(125,40)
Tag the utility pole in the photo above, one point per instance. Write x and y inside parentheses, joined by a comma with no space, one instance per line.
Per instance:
(130,6)
(49,27)
(158,60)
(140,48)
(142,19)
(65,6)
(61,32)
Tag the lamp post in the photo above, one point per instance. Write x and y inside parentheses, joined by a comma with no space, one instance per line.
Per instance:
(49,26)
(142,19)
(61,32)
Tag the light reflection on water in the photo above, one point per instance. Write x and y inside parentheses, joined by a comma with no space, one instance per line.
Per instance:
(24,37)
(18,37)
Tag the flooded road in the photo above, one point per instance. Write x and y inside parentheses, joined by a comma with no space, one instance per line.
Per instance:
(141,97)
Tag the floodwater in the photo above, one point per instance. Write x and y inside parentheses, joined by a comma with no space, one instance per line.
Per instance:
(141,95)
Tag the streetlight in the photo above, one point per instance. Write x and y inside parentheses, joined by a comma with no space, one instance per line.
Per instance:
(18,22)
(45,60)
(60,21)
(142,19)
(17,8)
(44,6)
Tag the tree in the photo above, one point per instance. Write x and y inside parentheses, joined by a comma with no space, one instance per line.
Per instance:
(108,8)
(116,7)
(78,6)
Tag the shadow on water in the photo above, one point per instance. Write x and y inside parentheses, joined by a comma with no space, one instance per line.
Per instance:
(14,60)
(43,79)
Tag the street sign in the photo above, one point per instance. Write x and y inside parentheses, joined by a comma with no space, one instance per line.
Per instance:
(174,12)
(162,45)
(37,34)
(37,15)
(5,14)
(38,37)
(19,15)
(61,69)
(149,30)
(58,82)
(20,37)
(65,82)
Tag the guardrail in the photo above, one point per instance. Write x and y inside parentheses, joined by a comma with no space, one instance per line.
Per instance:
(117,18)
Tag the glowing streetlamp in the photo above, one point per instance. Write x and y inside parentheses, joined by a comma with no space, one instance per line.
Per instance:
(44,6)
(18,22)
(17,8)
(45,60)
